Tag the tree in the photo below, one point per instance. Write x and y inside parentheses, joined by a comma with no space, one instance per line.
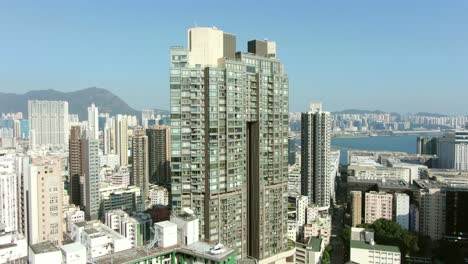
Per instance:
(326,255)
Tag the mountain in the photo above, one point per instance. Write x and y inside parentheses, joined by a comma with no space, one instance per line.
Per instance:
(78,101)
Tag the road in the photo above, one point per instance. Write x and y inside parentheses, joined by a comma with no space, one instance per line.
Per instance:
(337,255)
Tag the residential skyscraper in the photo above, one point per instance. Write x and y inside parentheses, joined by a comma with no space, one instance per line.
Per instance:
(315,156)
(44,192)
(48,123)
(93,122)
(377,205)
(140,168)
(121,137)
(159,148)
(9,193)
(229,132)
(90,169)
(74,164)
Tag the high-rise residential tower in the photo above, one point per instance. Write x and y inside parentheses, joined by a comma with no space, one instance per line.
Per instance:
(48,123)
(93,122)
(229,132)
(74,164)
(44,192)
(121,139)
(159,142)
(452,150)
(90,169)
(315,156)
(140,168)
(356,207)
(377,205)
(9,181)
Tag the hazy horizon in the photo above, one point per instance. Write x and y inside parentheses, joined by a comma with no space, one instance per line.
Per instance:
(393,56)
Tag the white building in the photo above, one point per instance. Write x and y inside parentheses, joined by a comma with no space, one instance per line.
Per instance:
(294,180)
(187,227)
(402,209)
(98,239)
(377,205)
(302,202)
(365,251)
(73,253)
(93,122)
(73,215)
(432,205)
(166,231)
(109,160)
(158,195)
(48,123)
(44,252)
(8,190)
(452,150)
(315,156)
(12,246)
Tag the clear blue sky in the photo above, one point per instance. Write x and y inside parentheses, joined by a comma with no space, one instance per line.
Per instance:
(394,55)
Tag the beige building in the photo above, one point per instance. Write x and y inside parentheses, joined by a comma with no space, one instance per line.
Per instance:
(140,169)
(432,205)
(356,208)
(121,139)
(44,192)
(364,250)
(377,205)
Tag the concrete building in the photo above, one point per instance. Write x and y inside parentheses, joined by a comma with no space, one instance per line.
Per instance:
(158,195)
(13,246)
(187,227)
(98,239)
(73,215)
(121,177)
(159,142)
(315,156)
(48,123)
(377,205)
(402,209)
(121,139)
(44,252)
(364,250)
(431,201)
(74,164)
(136,228)
(166,231)
(93,122)
(44,192)
(377,171)
(311,252)
(356,208)
(229,130)
(452,150)
(294,181)
(90,168)
(426,145)
(73,253)
(140,166)
(302,202)
(128,199)
(9,193)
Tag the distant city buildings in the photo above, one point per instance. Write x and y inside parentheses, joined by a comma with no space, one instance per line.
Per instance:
(93,122)
(159,141)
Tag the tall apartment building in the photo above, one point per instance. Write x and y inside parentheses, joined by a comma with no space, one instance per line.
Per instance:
(93,122)
(356,208)
(159,142)
(90,169)
(315,155)
(377,205)
(44,192)
(74,164)
(452,150)
(229,130)
(427,145)
(48,123)
(402,209)
(457,212)
(140,168)
(121,139)
(9,193)
(431,200)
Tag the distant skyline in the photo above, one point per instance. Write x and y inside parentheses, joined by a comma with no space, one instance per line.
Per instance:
(395,56)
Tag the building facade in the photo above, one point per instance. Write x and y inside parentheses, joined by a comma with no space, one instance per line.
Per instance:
(140,168)
(402,210)
(315,155)
(48,123)
(74,164)
(377,205)
(90,187)
(159,142)
(229,130)
(93,122)
(452,150)
(356,208)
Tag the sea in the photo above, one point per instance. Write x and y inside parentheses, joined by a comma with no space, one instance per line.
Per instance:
(377,143)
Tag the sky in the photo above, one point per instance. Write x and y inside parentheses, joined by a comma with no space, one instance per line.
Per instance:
(395,55)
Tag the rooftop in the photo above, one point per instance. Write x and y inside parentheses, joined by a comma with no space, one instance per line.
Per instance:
(72,247)
(43,247)
(364,245)
(202,249)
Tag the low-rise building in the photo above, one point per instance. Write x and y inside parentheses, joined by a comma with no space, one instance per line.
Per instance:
(310,253)
(44,252)
(364,250)
(73,253)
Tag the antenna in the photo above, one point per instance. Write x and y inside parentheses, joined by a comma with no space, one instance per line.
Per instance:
(195,23)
